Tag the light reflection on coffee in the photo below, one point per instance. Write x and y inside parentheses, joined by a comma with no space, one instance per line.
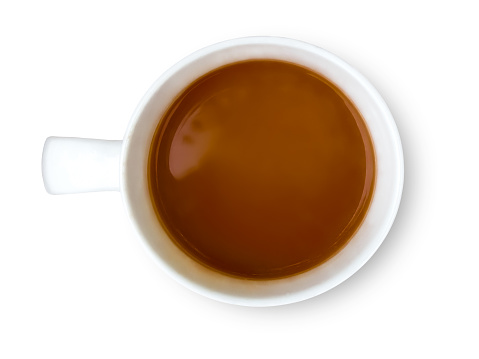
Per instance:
(261,169)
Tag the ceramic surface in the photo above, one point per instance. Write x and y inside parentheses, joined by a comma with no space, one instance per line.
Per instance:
(133,154)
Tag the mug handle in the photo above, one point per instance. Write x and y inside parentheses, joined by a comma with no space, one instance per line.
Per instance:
(76,165)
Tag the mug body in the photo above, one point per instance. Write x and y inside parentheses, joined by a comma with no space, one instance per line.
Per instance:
(222,287)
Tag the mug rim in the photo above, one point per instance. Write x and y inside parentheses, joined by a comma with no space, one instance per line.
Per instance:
(222,287)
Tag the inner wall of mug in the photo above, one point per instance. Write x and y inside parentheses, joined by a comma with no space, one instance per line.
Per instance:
(383,207)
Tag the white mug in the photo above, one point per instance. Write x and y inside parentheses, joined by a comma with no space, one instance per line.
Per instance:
(72,165)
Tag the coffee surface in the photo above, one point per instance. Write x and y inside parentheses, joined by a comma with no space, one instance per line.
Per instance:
(261,169)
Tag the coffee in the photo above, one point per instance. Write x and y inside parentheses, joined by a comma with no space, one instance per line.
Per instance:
(261,169)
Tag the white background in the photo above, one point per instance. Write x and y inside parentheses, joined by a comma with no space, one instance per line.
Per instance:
(76,283)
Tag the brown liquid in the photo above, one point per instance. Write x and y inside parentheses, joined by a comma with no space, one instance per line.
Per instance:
(261,169)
